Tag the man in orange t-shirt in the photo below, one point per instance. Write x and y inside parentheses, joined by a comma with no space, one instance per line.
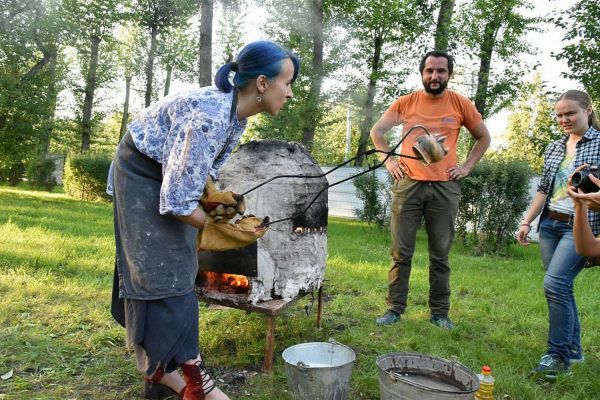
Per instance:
(430,192)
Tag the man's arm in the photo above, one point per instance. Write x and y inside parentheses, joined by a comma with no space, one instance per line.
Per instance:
(378,132)
(482,141)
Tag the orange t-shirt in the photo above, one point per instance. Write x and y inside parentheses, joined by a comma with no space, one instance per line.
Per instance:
(440,115)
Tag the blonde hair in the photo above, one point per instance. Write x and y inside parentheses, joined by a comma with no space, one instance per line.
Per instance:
(584,100)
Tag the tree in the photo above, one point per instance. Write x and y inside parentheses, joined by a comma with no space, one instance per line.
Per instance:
(130,58)
(494,32)
(381,28)
(229,36)
(205,43)
(292,24)
(177,50)
(582,55)
(31,73)
(156,16)
(531,126)
(93,23)
(308,130)
(444,23)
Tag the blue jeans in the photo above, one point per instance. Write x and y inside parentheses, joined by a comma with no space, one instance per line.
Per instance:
(562,265)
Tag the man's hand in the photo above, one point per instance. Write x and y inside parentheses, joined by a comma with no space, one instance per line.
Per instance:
(457,172)
(394,168)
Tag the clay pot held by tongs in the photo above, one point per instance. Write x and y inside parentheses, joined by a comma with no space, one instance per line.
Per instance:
(430,148)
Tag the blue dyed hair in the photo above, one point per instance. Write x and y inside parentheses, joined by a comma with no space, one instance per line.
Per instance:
(255,59)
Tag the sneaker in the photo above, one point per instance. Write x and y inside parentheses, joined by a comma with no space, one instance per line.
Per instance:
(550,368)
(390,317)
(576,357)
(442,321)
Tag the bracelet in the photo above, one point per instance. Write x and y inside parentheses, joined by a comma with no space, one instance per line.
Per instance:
(529,225)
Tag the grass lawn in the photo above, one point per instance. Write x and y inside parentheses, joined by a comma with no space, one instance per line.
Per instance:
(59,341)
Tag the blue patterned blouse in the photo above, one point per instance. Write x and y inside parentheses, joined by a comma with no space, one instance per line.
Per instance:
(191,135)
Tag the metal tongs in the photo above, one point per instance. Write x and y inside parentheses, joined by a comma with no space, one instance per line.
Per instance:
(428,148)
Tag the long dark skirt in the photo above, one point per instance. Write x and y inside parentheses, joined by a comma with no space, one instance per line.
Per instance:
(161,328)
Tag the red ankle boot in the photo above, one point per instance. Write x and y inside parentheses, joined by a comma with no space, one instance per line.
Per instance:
(153,390)
(198,381)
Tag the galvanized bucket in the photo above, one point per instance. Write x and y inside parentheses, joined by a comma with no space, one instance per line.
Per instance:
(414,376)
(319,371)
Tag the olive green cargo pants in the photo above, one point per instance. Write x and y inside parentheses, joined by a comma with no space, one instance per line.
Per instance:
(437,203)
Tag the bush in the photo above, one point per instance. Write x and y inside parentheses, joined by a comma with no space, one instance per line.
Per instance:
(376,198)
(493,199)
(40,172)
(12,173)
(85,176)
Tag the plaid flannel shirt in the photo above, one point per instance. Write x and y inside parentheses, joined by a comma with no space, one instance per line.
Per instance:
(588,152)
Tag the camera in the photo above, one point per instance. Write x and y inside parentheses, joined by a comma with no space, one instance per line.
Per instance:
(581,179)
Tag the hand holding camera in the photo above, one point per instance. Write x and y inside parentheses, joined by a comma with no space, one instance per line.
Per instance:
(585,186)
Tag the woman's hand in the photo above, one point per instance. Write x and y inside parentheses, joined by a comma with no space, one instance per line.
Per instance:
(195,219)
(522,233)
(589,200)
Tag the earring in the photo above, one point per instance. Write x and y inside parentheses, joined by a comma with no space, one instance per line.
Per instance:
(259,98)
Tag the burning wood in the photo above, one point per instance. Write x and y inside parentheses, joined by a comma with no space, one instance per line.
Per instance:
(303,229)
(226,283)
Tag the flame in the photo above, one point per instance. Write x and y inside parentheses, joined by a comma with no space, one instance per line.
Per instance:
(223,282)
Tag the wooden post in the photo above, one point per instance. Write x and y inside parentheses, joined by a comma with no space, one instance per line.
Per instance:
(269,345)
(320,307)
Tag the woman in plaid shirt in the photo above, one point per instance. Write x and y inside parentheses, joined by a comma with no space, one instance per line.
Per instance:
(581,145)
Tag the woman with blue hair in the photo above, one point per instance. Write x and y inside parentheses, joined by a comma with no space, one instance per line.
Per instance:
(171,151)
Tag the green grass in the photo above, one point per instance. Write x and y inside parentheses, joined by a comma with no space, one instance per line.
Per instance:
(56,333)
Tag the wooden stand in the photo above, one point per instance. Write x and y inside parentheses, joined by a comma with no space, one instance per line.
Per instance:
(271,308)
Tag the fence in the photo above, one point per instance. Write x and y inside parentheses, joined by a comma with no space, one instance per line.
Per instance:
(343,200)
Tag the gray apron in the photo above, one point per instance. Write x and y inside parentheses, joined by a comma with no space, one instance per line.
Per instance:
(155,267)
(156,254)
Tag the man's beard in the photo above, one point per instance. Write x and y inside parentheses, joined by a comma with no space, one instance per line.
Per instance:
(442,86)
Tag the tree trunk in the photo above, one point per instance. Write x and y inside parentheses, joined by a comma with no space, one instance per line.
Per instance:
(308,131)
(168,80)
(51,109)
(90,87)
(46,59)
(365,126)
(125,108)
(485,57)
(205,45)
(150,66)
(444,22)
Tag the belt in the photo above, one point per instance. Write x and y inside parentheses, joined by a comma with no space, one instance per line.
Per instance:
(560,216)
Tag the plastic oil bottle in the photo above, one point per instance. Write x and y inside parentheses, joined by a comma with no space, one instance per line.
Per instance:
(486,384)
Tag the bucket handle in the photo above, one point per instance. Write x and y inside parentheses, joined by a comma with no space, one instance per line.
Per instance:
(302,366)
(394,376)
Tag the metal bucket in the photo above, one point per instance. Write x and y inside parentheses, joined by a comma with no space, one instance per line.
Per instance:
(319,371)
(414,376)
